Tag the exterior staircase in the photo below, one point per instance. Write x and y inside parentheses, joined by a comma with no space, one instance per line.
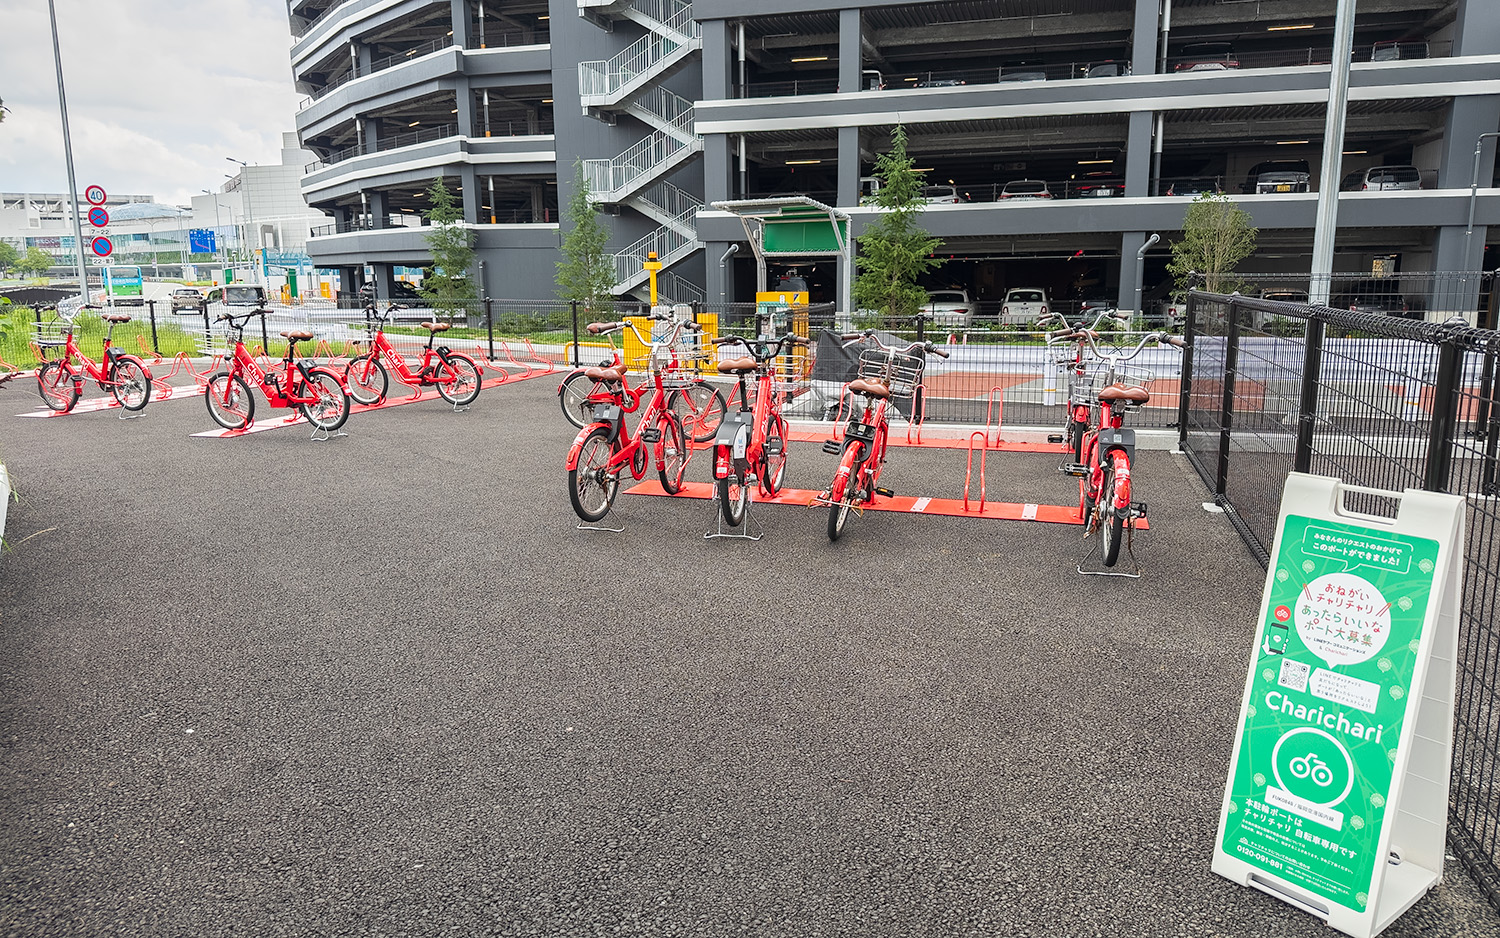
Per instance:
(629,84)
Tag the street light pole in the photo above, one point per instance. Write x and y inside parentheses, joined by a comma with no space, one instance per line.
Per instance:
(249,215)
(1326,226)
(62,103)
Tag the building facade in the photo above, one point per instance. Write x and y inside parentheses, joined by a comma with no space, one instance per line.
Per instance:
(1122,109)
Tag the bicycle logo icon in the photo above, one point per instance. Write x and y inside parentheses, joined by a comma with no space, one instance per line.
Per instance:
(1311,766)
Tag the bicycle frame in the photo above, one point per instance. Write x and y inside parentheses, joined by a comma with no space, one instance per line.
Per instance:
(278,394)
(628,443)
(394,360)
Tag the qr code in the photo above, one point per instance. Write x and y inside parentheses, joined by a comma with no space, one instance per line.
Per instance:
(1294,675)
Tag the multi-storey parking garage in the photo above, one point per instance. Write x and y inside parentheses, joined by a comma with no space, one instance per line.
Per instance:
(1119,111)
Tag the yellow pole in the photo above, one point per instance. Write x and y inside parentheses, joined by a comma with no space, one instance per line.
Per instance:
(652,265)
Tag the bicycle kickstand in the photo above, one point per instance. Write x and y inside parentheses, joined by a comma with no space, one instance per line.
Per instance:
(750,528)
(1110,571)
(327,435)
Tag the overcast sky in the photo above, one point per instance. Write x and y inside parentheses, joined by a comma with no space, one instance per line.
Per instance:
(159,93)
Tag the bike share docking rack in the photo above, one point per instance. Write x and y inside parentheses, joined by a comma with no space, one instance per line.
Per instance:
(990,439)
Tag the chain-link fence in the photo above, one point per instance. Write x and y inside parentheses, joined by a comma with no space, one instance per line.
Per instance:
(1377,401)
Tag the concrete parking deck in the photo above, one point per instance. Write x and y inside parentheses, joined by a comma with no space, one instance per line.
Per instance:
(384,686)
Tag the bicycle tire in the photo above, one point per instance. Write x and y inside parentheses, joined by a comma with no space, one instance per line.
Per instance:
(331,408)
(230,402)
(701,408)
(464,387)
(367,380)
(734,497)
(130,382)
(56,386)
(775,468)
(1112,524)
(671,452)
(573,394)
(842,500)
(1076,433)
(589,472)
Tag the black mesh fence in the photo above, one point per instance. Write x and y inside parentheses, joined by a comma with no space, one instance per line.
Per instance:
(1378,401)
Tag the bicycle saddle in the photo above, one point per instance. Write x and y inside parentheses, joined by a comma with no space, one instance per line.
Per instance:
(297,336)
(612,373)
(435,326)
(870,388)
(1130,395)
(735,366)
(115,317)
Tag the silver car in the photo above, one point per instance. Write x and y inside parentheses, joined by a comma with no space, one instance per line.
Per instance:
(1378,178)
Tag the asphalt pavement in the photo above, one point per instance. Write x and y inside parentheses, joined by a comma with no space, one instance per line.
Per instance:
(384,686)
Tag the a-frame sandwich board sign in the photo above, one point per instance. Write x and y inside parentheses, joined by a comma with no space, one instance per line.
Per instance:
(1337,795)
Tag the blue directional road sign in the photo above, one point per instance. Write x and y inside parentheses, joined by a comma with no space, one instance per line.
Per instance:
(202,241)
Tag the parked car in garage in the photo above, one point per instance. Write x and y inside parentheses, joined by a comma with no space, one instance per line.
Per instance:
(942,195)
(1019,189)
(1378,178)
(1024,305)
(1278,176)
(949,308)
(1206,57)
(401,292)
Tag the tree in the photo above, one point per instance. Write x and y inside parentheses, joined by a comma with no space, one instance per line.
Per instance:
(450,289)
(895,250)
(35,262)
(586,272)
(8,256)
(1216,236)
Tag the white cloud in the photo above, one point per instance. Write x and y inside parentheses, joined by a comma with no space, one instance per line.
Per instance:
(159,93)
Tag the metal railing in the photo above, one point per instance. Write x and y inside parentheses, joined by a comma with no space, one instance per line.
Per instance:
(612,179)
(641,58)
(1377,401)
(516,128)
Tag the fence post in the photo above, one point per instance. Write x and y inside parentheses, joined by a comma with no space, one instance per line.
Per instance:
(489,324)
(1307,407)
(575,333)
(921,327)
(155,346)
(265,338)
(1185,386)
(1226,404)
(203,305)
(1445,394)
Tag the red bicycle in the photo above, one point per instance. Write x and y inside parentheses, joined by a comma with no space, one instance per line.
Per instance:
(750,446)
(884,371)
(313,389)
(367,377)
(1104,483)
(605,447)
(699,405)
(1079,415)
(60,380)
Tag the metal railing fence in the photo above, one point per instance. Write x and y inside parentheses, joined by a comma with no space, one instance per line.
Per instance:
(1378,401)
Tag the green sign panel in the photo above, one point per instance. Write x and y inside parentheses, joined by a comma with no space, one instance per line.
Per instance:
(1328,703)
(813,236)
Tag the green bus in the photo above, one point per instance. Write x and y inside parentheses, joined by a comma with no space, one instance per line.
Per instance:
(123,286)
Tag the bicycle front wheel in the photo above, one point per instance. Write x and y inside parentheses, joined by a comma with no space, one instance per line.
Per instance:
(464,387)
(130,383)
(331,408)
(734,498)
(58,389)
(366,379)
(574,393)
(671,452)
(701,408)
(591,486)
(229,401)
(775,450)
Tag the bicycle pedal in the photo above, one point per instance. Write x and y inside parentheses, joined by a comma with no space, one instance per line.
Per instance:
(1054,438)
(1138,509)
(650,435)
(885,493)
(831,446)
(1073,469)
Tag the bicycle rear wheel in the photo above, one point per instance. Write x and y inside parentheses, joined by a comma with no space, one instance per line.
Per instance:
(842,495)
(701,408)
(573,395)
(591,486)
(130,382)
(671,452)
(734,497)
(56,385)
(1115,488)
(331,408)
(464,387)
(229,401)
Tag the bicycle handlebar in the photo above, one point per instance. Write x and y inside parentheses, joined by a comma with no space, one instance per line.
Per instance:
(761,349)
(1092,337)
(869,334)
